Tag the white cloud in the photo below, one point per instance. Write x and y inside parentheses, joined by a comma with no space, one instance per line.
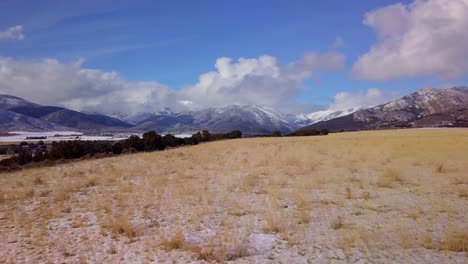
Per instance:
(425,38)
(260,81)
(372,97)
(50,82)
(12,33)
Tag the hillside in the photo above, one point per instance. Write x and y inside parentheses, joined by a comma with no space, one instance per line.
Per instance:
(11,121)
(424,108)
(35,117)
(248,119)
(394,196)
(9,101)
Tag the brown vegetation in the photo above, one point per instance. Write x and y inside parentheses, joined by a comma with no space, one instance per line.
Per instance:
(364,196)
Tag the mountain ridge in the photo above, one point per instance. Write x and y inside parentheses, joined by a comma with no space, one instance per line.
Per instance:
(406,111)
(20,114)
(425,107)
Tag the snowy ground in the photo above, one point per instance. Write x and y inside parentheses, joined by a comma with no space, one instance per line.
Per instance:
(17,136)
(367,197)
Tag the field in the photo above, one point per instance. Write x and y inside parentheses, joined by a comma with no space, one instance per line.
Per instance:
(380,196)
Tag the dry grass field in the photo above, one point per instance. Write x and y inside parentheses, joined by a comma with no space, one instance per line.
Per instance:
(364,197)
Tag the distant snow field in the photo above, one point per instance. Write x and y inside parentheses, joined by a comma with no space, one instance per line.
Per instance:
(15,136)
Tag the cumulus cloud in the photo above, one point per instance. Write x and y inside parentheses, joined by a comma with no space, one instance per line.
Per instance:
(51,82)
(12,33)
(372,97)
(260,81)
(424,38)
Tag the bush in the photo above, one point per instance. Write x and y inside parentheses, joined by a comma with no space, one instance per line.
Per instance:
(117,148)
(38,157)
(152,141)
(234,134)
(77,149)
(303,133)
(134,142)
(276,134)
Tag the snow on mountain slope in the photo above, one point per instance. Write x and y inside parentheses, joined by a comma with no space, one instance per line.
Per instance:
(323,115)
(11,121)
(9,101)
(448,104)
(248,119)
(25,115)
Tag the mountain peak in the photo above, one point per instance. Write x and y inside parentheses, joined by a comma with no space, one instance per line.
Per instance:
(414,110)
(10,101)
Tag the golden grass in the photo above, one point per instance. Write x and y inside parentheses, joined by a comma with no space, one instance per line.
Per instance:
(177,241)
(121,225)
(456,239)
(389,178)
(275,222)
(337,223)
(359,191)
(463,192)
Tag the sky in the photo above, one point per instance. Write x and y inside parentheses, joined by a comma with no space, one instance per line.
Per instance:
(292,56)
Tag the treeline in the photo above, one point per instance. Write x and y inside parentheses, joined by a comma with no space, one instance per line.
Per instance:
(76,149)
(298,133)
(309,132)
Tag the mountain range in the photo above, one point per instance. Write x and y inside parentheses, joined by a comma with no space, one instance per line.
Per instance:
(19,114)
(424,108)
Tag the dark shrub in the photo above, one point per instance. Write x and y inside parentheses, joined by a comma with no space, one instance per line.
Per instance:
(197,136)
(191,141)
(38,156)
(24,157)
(134,142)
(234,134)
(170,141)
(205,135)
(117,148)
(276,134)
(102,147)
(303,133)
(152,141)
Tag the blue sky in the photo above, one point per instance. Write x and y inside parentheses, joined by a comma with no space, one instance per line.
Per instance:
(174,42)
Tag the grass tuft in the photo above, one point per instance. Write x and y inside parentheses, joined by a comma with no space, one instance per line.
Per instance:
(389,178)
(337,223)
(456,240)
(274,223)
(38,181)
(121,225)
(177,241)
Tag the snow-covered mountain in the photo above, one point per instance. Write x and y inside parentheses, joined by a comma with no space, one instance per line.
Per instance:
(323,115)
(20,114)
(423,108)
(11,121)
(248,119)
(9,101)
(426,107)
(139,117)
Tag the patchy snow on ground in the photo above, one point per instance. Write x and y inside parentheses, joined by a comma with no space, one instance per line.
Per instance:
(17,136)
(361,197)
